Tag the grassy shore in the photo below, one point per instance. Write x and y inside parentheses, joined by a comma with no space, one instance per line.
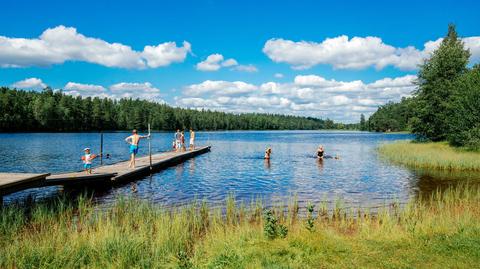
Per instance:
(440,232)
(431,156)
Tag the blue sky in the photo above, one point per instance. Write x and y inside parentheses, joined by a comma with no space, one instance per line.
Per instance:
(333,59)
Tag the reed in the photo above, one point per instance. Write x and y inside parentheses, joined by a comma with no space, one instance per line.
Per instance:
(431,156)
(442,230)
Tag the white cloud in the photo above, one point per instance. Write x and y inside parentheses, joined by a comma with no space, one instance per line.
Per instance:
(79,89)
(219,87)
(355,53)
(60,44)
(30,84)
(278,75)
(135,90)
(309,95)
(145,91)
(246,68)
(216,61)
(165,54)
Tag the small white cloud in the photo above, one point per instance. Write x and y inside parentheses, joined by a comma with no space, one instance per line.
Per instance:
(79,89)
(246,68)
(30,84)
(165,54)
(219,87)
(216,61)
(278,75)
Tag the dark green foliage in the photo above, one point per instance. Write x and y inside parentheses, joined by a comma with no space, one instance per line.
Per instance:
(54,111)
(446,105)
(436,87)
(465,111)
(363,123)
(270,224)
(271,228)
(392,117)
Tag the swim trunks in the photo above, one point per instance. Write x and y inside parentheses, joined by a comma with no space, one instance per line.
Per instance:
(133,149)
(87,166)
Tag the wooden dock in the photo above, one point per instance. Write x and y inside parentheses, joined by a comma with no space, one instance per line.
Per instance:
(119,171)
(13,182)
(106,174)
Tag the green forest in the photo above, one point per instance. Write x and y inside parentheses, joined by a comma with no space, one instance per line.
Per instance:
(50,110)
(446,104)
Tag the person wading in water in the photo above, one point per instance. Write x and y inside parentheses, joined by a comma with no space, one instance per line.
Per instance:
(134,140)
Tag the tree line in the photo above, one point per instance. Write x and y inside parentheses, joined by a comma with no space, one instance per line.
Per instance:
(446,104)
(50,110)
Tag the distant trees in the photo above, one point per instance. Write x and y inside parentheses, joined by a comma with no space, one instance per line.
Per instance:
(446,105)
(50,110)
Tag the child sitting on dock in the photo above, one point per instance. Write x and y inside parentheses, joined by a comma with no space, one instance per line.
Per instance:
(87,160)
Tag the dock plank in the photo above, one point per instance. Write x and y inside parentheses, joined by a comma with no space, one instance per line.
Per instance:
(12,182)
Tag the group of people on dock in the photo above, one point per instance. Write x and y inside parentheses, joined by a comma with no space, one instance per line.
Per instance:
(134,141)
(178,143)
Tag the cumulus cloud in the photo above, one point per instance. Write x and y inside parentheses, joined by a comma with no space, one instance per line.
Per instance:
(60,44)
(145,91)
(219,87)
(216,61)
(343,52)
(278,75)
(30,84)
(308,95)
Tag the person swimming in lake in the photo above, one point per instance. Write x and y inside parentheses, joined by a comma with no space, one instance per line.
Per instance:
(320,152)
(87,160)
(268,152)
(134,140)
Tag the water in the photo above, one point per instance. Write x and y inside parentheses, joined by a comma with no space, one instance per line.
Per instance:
(235,166)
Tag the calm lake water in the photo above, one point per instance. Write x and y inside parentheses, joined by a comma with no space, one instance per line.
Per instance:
(235,166)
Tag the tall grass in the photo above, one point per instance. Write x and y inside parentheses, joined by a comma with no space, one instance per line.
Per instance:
(431,156)
(442,230)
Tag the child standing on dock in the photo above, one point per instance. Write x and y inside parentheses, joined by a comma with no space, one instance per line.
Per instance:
(87,160)
(134,140)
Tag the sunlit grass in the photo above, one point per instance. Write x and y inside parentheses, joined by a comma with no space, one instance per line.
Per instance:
(441,231)
(431,155)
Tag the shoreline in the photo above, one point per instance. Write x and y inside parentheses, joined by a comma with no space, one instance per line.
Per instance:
(134,233)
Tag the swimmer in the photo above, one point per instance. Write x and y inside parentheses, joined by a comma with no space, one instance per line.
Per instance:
(268,152)
(320,152)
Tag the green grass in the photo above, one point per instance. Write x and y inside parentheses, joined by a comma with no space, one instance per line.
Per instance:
(441,231)
(431,156)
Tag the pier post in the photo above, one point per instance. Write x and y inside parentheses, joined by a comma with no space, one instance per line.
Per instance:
(149,147)
(101,147)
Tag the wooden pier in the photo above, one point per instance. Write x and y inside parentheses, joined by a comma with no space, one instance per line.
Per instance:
(120,171)
(13,182)
(106,174)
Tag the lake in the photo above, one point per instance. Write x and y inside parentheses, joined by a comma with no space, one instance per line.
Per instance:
(235,166)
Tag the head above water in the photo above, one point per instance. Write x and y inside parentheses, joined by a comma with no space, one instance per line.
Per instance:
(87,150)
(134,131)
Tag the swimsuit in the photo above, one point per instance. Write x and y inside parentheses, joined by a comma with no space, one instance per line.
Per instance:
(133,149)
(87,161)
(320,154)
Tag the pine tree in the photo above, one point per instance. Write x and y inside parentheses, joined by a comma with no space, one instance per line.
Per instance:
(436,87)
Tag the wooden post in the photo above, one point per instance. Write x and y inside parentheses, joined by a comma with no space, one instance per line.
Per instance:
(101,147)
(150,146)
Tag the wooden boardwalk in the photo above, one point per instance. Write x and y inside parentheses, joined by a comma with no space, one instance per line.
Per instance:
(106,174)
(120,171)
(13,182)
